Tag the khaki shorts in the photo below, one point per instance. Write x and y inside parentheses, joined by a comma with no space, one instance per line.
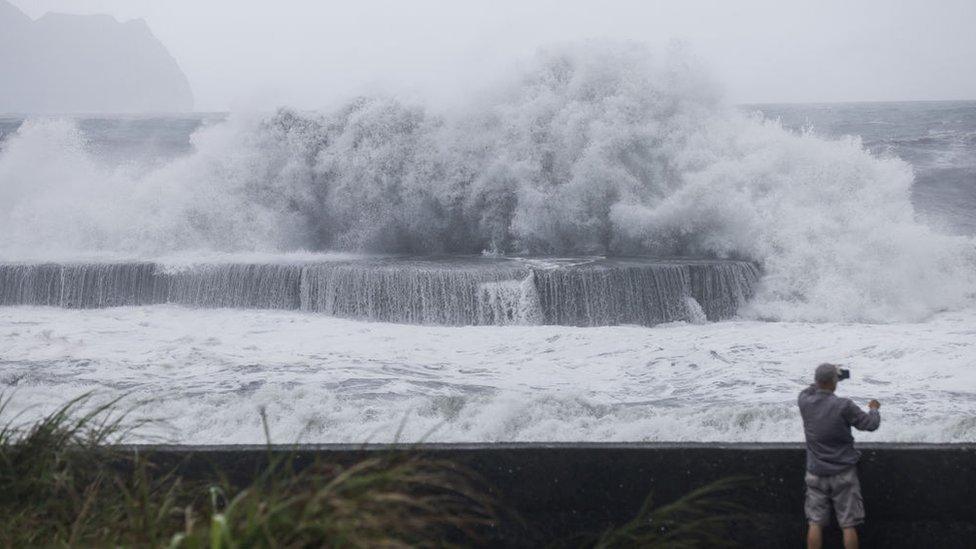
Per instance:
(843,490)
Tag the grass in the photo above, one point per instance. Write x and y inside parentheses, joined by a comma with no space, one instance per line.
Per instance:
(701,518)
(65,481)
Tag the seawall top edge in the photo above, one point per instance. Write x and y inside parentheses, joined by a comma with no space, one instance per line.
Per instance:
(612,446)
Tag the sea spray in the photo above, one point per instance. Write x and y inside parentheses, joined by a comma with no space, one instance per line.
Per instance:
(598,148)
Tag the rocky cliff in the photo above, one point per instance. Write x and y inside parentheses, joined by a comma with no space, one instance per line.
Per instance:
(85,63)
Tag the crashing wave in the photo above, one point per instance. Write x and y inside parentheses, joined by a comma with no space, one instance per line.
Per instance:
(595,149)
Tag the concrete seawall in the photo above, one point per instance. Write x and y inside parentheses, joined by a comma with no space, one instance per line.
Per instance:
(448,291)
(916,495)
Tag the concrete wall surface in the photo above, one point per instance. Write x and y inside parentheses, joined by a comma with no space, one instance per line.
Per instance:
(915,495)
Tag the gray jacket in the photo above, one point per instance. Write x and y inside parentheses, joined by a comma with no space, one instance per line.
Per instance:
(827,422)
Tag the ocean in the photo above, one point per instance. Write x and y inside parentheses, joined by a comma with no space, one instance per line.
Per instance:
(938,138)
(851,226)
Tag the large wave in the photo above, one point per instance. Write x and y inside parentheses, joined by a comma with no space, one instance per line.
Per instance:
(593,149)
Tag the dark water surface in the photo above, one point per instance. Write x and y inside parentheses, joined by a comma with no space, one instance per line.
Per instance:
(937,137)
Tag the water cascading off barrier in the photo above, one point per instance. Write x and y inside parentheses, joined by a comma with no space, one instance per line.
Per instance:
(437,291)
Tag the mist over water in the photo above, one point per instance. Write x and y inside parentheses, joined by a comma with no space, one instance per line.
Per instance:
(597,148)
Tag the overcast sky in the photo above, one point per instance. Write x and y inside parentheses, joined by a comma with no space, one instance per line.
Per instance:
(310,53)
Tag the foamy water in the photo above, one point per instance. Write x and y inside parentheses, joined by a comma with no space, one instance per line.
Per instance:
(593,149)
(865,247)
(206,372)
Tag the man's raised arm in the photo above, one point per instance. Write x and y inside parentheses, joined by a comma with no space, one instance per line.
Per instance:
(860,420)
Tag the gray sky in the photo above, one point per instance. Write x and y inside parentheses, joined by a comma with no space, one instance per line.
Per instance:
(243,54)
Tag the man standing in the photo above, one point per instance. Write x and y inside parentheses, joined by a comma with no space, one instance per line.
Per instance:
(831,458)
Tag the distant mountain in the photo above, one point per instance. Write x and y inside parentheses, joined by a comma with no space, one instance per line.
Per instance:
(85,63)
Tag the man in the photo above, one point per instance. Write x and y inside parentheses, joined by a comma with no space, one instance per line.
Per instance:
(831,458)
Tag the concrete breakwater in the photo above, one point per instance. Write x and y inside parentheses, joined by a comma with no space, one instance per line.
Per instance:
(440,291)
(916,495)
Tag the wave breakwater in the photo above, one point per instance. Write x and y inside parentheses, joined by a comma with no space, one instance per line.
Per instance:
(417,291)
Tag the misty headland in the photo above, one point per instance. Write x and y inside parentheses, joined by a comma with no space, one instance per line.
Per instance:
(64,63)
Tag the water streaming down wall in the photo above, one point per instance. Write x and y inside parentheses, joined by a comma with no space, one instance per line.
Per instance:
(455,292)
(242,286)
(510,302)
(82,285)
(418,292)
(637,292)
(720,288)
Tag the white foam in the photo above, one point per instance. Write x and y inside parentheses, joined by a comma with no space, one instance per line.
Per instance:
(510,302)
(696,315)
(326,380)
(595,148)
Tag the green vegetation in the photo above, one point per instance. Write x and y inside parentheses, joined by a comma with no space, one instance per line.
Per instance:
(699,519)
(65,481)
